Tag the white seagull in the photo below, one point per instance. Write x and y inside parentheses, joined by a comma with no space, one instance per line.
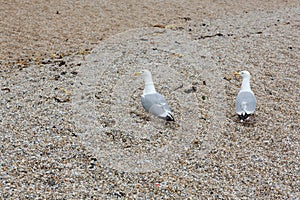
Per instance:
(152,101)
(245,103)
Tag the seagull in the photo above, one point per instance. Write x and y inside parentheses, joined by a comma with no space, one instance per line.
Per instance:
(245,103)
(152,101)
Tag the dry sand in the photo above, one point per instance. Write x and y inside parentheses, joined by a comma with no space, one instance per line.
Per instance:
(72,126)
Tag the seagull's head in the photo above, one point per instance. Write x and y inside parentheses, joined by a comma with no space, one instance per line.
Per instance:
(243,74)
(144,73)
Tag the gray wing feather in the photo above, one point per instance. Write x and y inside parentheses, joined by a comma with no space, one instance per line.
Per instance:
(245,102)
(158,110)
(155,104)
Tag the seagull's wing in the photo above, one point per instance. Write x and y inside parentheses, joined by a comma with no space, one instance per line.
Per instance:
(245,102)
(156,104)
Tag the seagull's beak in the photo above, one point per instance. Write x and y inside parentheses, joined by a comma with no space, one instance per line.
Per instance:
(236,73)
(137,74)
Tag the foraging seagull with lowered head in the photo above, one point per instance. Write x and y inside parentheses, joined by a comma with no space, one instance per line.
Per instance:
(152,101)
(245,103)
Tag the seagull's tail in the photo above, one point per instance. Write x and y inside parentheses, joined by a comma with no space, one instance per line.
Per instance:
(170,117)
(244,116)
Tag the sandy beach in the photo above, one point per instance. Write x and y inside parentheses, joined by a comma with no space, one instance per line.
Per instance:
(72,125)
